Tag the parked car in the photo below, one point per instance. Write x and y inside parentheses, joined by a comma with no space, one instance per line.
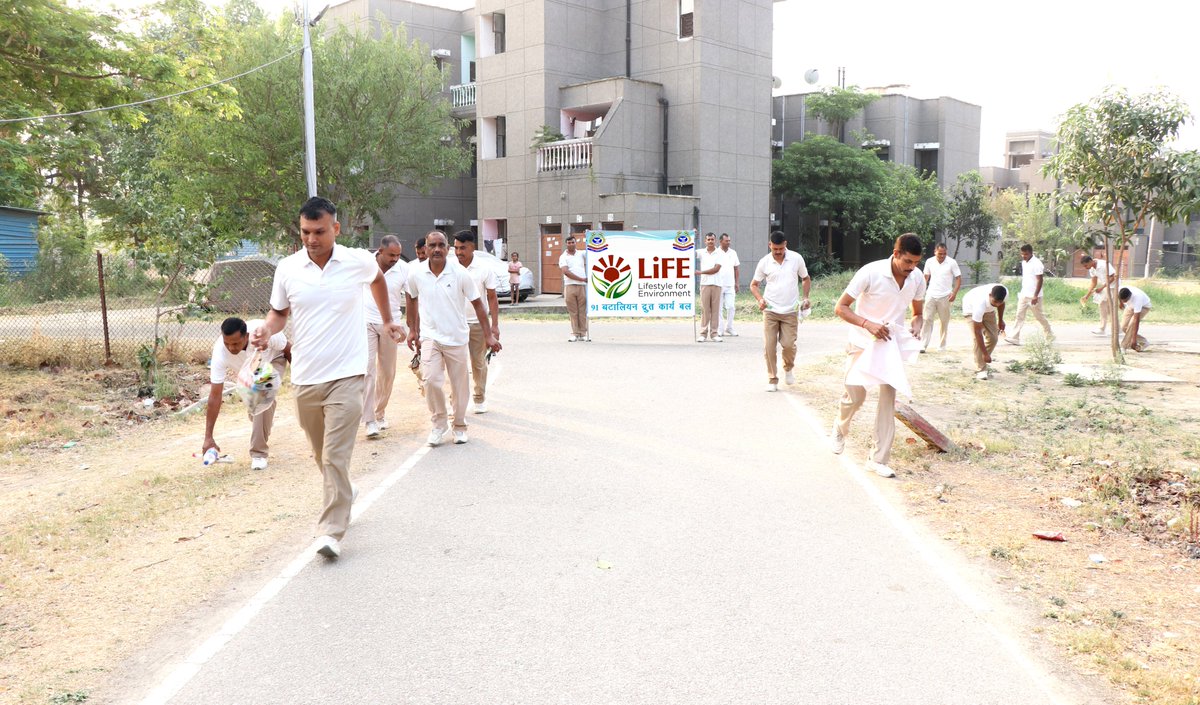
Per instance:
(500,267)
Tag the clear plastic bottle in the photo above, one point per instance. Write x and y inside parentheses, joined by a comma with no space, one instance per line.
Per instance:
(210,456)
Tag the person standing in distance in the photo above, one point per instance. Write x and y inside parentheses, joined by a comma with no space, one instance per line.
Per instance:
(880,294)
(709,263)
(943,280)
(321,288)
(574,270)
(1030,298)
(485,283)
(729,275)
(781,303)
(381,349)
(514,277)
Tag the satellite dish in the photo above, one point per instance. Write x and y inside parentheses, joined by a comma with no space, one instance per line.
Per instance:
(775,82)
(811,76)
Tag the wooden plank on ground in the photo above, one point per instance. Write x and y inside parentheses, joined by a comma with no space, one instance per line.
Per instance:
(924,430)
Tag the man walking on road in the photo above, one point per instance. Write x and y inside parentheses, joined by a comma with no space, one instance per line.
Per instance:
(321,286)
(710,261)
(1101,289)
(1030,298)
(942,280)
(781,303)
(438,291)
(381,349)
(484,278)
(574,270)
(228,357)
(880,293)
(983,307)
(728,276)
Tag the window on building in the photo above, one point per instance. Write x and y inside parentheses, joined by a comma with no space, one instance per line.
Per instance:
(686,18)
(680,190)
(501,145)
(926,160)
(498,32)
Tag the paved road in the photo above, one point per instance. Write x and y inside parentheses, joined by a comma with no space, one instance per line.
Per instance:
(635,521)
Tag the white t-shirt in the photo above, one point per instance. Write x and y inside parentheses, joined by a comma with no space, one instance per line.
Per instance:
(485,279)
(440,302)
(223,365)
(941,277)
(708,260)
(1030,271)
(1138,299)
(394,278)
(977,302)
(575,264)
(725,276)
(877,297)
(782,291)
(329,323)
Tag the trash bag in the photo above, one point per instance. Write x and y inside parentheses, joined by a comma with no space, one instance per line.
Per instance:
(257,384)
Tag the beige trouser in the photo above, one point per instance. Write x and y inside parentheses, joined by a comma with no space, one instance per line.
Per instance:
(939,307)
(260,426)
(1106,298)
(885,414)
(576,297)
(477,346)
(991,332)
(779,329)
(329,413)
(381,372)
(437,362)
(710,310)
(1026,304)
(1127,340)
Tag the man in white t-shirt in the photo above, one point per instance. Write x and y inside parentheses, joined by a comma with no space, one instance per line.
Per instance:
(728,276)
(1030,298)
(709,262)
(881,293)
(1136,304)
(438,290)
(228,357)
(321,288)
(573,266)
(485,282)
(983,308)
(781,304)
(1101,290)
(381,349)
(942,280)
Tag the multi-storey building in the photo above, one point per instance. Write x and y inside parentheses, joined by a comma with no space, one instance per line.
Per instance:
(604,114)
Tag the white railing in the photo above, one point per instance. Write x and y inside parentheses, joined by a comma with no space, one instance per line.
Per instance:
(462,95)
(567,154)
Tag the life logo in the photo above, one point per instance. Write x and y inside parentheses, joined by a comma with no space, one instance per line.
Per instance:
(611,277)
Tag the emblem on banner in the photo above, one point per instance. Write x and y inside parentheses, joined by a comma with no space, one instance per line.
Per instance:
(596,243)
(684,241)
(611,277)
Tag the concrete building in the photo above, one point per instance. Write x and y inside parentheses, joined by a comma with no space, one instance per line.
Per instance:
(644,114)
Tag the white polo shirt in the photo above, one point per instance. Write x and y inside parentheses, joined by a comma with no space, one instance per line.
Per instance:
(1138,300)
(484,278)
(978,302)
(782,291)
(329,324)
(440,302)
(941,277)
(1101,270)
(222,365)
(708,260)
(575,264)
(1029,273)
(395,279)
(725,276)
(878,299)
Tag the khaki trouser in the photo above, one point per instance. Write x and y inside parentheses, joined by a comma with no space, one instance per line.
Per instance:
(991,333)
(477,346)
(941,308)
(576,297)
(437,362)
(728,310)
(329,413)
(381,372)
(260,426)
(885,414)
(1026,304)
(1127,341)
(1106,298)
(710,310)
(779,329)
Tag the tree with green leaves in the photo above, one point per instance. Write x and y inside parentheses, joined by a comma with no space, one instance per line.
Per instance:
(968,219)
(909,202)
(1030,218)
(1119,171)
(837,106)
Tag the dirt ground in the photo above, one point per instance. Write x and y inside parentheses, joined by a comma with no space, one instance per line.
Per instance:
(1114,469)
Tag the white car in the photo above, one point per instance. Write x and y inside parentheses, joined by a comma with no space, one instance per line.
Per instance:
(500,267)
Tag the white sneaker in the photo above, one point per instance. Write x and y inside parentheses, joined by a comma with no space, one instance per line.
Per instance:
(837,442)
(436,436)
(730,334)
(789,377)
(586,338)
(572,339)
(383,424)
(480,407)
(699,339)
(1099,332)
(772,387)
(981,376)
(353,493)
(329,547)
(879,469)
(372,429)
(460,436)
(1012,341)
(718,339)
(258,463)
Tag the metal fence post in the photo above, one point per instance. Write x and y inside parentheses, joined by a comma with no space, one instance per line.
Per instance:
(103,309)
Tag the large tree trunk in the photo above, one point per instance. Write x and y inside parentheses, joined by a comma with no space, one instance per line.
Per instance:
(1114,309)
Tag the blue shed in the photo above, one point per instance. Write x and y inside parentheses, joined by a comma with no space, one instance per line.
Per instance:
(18,238)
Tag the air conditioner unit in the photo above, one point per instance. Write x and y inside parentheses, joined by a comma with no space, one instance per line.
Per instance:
(440,53)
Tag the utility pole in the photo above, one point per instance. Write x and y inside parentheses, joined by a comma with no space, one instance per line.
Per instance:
(310,136)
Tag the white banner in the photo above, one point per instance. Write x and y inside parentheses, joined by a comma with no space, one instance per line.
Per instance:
(644,273)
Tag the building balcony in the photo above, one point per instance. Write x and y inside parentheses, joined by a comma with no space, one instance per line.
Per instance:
(565,155)
(462,96)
